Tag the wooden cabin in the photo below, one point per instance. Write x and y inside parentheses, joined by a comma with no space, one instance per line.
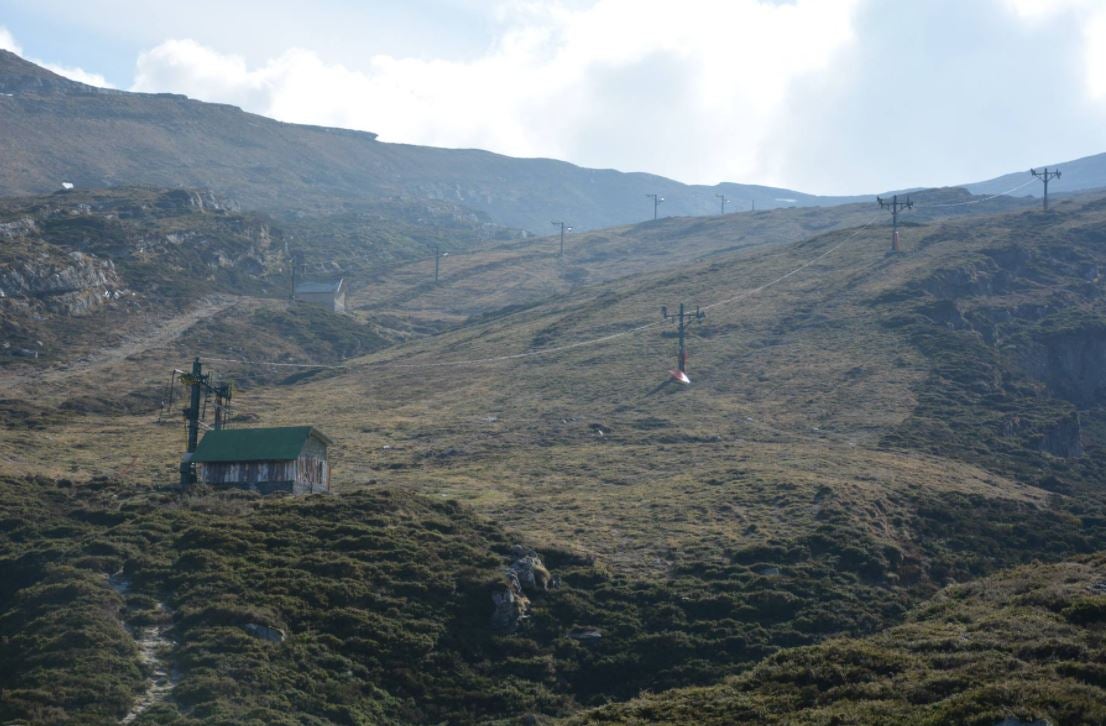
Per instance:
(288,459)
(330,294)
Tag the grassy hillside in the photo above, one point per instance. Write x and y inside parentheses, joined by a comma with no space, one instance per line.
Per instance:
(379,602)
(491,279)
(89,271)
(862,430)
(1027,644)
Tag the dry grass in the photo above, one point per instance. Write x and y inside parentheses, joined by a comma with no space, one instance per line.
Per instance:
(793,388)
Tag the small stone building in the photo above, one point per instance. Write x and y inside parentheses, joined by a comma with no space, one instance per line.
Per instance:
(328,294)
(288,459)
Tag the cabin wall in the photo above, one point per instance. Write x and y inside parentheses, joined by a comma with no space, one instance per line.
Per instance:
(262,476)
(312,475)
(326,299)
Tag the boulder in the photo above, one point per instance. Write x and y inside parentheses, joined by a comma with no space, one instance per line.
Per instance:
(265,632)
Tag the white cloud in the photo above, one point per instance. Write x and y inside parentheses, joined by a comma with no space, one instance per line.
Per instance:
(632,84)
(1088,14)
(7,41)
(951,92)
(823,95)
(76,74)
(1094,37)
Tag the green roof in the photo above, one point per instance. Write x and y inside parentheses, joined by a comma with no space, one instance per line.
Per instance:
(275,444)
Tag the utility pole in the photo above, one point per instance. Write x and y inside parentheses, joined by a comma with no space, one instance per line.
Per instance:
(682,320)
(754,202)
(895,205)
(438,255)
(1046,176)
(296,259)
(657,199)
(223,393)
(200,388)
(196,381)
(563,228)
(723,198)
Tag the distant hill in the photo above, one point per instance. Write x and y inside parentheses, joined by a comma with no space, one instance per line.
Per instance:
(1077,176)
(59,130)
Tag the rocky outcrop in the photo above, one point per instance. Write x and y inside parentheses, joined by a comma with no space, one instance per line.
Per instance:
(1072,364)
(947,313)
(994,275)
(71,284)
(1062,438)
(266,632)
(193,200)
(510,601)
(529,570)
(17,229)
(510,607)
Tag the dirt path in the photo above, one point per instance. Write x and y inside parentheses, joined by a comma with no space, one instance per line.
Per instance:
(149,337)
(154,647)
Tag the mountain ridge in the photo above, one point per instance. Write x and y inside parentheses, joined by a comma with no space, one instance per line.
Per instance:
(61,130)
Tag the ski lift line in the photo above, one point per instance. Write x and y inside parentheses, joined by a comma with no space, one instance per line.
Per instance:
(756,290)
(270,363)
(613,336)
(640,328)
(975,201)
(569,346)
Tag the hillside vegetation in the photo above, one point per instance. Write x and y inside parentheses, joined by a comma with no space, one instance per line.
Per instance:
(489,280)
(1028,644)
(91,270)
(862,430)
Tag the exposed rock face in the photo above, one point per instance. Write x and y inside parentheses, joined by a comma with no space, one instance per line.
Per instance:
(194,200)
(16,228)
(1072,364)
(995,275)
(511,604)
(529,570)
(947,313)
(70,284)
(1064,439)
(1031,336)
(511,607)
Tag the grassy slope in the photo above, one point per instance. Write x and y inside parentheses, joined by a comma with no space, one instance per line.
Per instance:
(523,273)
(383,598)
(791,451)
(815,351)
(1029,643)
(172,249)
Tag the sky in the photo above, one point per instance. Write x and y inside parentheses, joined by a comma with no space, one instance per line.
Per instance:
(824,96)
